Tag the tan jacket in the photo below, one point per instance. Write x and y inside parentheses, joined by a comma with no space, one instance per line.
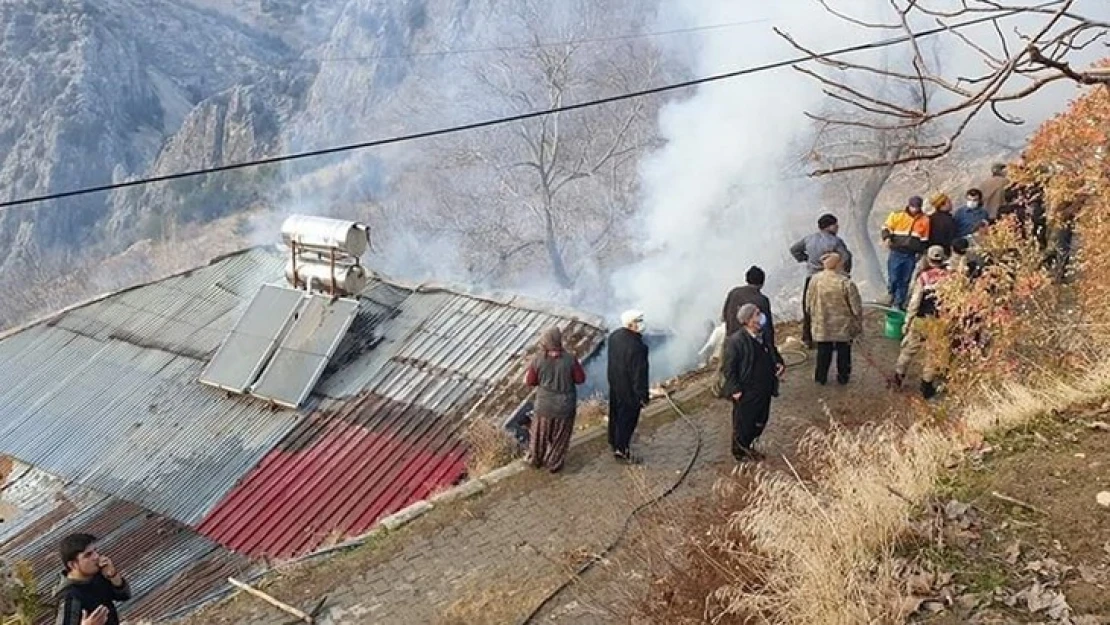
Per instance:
(994,194)
(835,307)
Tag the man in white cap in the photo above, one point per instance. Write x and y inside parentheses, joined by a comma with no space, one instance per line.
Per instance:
(628,382)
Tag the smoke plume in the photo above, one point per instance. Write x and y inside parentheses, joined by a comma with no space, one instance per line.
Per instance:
(728,190)
(714,198)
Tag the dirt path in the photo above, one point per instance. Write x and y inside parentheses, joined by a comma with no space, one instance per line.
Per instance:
(493,558)
(1045,559)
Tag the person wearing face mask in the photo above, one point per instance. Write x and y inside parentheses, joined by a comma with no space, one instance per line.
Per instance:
(751,370)
(906,235)
(972,215)
(628,383)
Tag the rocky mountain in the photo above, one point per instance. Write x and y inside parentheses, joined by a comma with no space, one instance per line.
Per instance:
(93,88)
(109,90)
(112,90)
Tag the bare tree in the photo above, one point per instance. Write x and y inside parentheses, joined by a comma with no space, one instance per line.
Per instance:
(842,147)
(1014,68)
(558,187)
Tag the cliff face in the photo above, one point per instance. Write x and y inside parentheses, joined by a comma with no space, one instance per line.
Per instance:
(98,91)
(92,89)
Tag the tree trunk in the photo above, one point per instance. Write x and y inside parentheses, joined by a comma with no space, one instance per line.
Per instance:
(867,267)
(558,267)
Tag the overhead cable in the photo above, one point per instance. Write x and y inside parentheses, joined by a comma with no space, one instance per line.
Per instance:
(427,134)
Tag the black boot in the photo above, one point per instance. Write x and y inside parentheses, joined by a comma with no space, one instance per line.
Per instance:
(928,390)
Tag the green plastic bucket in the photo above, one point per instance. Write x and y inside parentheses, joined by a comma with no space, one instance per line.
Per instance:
(894,321)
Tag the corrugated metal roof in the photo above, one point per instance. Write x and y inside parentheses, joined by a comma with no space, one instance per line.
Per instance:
(153,552)
(440,359)
(106,395)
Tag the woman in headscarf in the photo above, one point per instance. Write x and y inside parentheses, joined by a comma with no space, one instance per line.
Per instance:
(555,372)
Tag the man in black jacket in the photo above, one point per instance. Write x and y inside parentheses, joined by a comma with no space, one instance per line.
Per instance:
(751,293)
(942,225)
(752,369)
(628,383)
(90,585)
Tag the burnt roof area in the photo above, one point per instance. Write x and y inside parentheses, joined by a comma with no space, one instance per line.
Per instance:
(104,399)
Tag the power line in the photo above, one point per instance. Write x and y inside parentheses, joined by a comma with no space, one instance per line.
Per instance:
(362,145)
(532,46)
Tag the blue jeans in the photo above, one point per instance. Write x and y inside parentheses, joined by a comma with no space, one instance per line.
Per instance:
(899,269)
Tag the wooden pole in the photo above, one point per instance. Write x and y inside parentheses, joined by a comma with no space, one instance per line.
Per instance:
(270,600)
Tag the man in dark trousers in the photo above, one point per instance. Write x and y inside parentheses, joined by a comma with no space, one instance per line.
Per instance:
(90,584)
(628,383)
(751,293)
(752,373)
(810,251)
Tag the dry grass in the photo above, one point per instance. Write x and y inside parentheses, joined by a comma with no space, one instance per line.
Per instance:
(492,603)
(821,543)
(19,604)
(592,412)
(820,550)
(490,447)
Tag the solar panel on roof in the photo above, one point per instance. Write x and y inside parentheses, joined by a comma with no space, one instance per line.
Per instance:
(305,350)
(252,340)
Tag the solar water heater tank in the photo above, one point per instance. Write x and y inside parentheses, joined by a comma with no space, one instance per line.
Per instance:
(325,235)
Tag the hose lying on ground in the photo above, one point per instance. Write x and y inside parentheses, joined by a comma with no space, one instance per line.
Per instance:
(628,520)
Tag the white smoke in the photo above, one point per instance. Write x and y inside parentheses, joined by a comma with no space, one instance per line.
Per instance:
(714,198)
(727,190)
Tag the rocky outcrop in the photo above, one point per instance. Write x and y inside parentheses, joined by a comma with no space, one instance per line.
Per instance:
(91,89)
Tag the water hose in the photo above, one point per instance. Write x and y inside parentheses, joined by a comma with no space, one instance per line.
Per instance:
(586,566)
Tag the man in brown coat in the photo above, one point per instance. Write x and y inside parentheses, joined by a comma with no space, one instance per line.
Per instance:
(837,313)
(994,190)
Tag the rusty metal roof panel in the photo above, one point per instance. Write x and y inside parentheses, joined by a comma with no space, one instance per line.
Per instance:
(153,552)
(107,394)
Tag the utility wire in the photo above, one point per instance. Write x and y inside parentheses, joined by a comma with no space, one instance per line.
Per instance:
(362,145)
(532,46)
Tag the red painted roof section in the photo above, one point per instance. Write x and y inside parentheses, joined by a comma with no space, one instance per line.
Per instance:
(336,475)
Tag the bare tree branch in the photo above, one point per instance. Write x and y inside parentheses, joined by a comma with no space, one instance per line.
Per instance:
(1041,57)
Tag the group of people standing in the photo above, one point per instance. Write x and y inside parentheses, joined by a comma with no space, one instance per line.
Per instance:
(926,243)
(555,372)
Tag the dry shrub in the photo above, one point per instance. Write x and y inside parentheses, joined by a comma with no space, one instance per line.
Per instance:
(592,412)
(1092,286)
(1067,158)
(999,326)
(489,447)
(822,542)
(19,603)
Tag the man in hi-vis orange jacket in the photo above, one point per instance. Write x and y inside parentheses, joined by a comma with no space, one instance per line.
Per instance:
(906,235)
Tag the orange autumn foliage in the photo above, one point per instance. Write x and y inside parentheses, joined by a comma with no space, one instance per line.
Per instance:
(1069,157)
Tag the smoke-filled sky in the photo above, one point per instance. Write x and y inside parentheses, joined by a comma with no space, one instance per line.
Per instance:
(713,203)
(723,189)
(714,200)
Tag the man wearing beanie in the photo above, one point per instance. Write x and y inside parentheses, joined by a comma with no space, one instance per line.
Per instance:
(810,250)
